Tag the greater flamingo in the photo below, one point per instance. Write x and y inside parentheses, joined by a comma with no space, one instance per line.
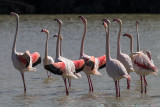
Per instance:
(77,67)
(93,63)
(47,59)
(64,66)
(147,52)
(143,66)
(114,67)
(23,61)
(123,58)
(61,58)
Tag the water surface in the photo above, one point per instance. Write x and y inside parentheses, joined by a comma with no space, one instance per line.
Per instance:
(42,91)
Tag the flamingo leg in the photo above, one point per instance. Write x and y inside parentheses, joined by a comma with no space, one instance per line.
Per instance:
(119,88)
(116,88)
(69,82)
(128,84)
(23,82)
(141,85)
(145,84)
(47,73)
(50,74)
(145,80)
(89,84)
(67,93)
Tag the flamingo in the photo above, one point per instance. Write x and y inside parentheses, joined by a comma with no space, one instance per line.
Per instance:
(142,64)
(78,67)
(123,58)
(114,67)
(47,59)
(147,52)
(77,63)
(63,66)
(23,62)
(94,63)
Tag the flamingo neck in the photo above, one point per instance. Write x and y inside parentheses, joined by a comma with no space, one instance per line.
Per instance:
(46,48)
(131,45)
(107,43)
(138,44)
(118,41)
(58,39)
(82,42)
(15,38)
(61,47)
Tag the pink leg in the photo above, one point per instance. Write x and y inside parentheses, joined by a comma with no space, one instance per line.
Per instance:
(116,88)
(128,84)
(89,84)
(67,93)
(141,85)
(145,84)
(145,80)
(119,88)
(69,82)
(47,74)
(50,73)
(23,82)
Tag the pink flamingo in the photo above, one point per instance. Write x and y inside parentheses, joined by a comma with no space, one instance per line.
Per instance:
(61,58)
(123,58)
(114,67)
(147,52)
(94,63)
(47,59)
(63,66)
(143,66)
(79,64)
(23,62)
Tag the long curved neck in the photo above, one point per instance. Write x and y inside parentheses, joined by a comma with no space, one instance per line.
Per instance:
(82,42)
(46,48)
(118,41)
(131,45)
(15,38)
(138,44)
(58,39)
(61,47)
(107,43)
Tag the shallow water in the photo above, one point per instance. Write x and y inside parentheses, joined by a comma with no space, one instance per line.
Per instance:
(42,91)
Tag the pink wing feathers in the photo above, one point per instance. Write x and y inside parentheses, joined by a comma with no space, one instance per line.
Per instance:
(102,61)
(142,62)
(36,59)
(56,68)
(79,65)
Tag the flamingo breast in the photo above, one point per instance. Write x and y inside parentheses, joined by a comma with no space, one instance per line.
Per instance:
(116,70)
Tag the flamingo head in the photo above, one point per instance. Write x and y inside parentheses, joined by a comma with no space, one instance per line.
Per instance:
(118,21)
(137,22)
(107,21)
(45,30)
(61,37)
(83,19)
(128,35)
(58,21)
(14,14)
(105,25)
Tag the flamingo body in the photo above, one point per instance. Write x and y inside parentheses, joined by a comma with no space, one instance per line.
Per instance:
(116,70)
(23,62)
(142,64)
(101,61)
(126,61)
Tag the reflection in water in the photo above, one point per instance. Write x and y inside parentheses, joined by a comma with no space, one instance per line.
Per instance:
(42,91)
